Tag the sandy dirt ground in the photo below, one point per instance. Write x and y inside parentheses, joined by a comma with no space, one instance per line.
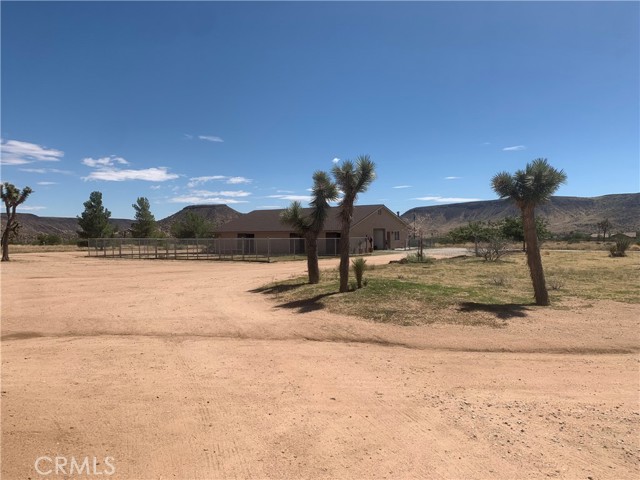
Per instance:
(177,369)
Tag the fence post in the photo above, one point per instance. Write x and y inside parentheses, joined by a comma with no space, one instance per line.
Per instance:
(197,249)
(268,249)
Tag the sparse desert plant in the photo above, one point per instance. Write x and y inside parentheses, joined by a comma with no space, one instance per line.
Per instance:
(555,283)
(619,249)
(359,266)
(494,248)
(417,258)
(500,281)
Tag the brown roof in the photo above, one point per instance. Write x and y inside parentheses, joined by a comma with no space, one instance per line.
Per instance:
(269,220)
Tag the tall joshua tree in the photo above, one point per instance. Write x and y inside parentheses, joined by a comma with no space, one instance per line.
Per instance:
(528,188)
(351,179)
(310,226)
(12,197)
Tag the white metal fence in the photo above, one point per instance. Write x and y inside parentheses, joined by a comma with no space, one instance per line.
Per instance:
(256,249)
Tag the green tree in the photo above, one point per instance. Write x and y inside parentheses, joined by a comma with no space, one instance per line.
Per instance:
(475,232)
(513,229)
(94,221)
(12,197)
(528,188)
(192,226)
(145,225)
(351,179)
(310,226)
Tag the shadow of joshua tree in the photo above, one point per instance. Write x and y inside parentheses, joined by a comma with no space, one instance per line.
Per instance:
(501,311)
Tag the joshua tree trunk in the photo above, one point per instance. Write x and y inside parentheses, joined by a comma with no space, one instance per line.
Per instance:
(11,214)
(5,243)
(312,258)
(533,256)
(344,250)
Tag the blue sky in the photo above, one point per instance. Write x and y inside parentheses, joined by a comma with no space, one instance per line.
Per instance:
(238,103)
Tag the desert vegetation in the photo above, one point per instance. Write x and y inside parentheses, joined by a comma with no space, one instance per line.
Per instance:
(528,188)
(12,198)
(467,290)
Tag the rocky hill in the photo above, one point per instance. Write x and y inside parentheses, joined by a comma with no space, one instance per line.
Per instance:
(66,227)
(216,214)
(564,214)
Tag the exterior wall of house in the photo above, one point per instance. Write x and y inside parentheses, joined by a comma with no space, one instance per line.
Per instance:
(395,233)
(390,232)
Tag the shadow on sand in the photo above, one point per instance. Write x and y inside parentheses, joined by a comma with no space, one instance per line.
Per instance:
(307,305)
(276,289)
(501,311)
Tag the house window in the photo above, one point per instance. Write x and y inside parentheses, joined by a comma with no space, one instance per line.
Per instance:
(396,235)
(379,211)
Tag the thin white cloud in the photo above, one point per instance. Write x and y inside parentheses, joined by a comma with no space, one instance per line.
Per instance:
(47,183)
(486,143)
(294,198)
(154,174)
(31,208)
(155,187)
(110,161)
(515,148)
(195,200)
(238,180)
(15,152)
(46,170)
(452,178)
(195,181)
(289,191)
(336,160)
(224,193)
(439,199)
(210,138)
(269,207)
(402,186)
(190,137)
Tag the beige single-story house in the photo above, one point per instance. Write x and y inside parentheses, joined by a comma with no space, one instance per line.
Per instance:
(385,229)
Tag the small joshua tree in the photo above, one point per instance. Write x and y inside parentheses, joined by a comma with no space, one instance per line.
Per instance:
(12,197)
(359,266)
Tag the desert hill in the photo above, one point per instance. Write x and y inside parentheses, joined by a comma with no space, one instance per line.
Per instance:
(564,214)
(66,227)
(216,214)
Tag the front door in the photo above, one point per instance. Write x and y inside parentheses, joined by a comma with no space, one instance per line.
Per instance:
(378,238)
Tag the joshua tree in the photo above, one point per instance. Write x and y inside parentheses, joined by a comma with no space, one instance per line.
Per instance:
(323,192)
(604,226)
(528,188)
(351,179)
(12,197)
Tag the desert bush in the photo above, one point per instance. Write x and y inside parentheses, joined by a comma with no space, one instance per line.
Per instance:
(48,239)
(492,249)
(555,283)
(417,258)
(619,249)
(359,266)
(499,281)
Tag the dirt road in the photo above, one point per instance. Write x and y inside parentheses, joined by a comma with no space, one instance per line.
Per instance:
(180,370)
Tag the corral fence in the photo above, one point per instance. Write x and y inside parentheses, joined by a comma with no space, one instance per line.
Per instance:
(252,249)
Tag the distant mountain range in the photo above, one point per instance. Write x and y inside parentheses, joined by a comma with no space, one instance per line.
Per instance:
(564,214)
